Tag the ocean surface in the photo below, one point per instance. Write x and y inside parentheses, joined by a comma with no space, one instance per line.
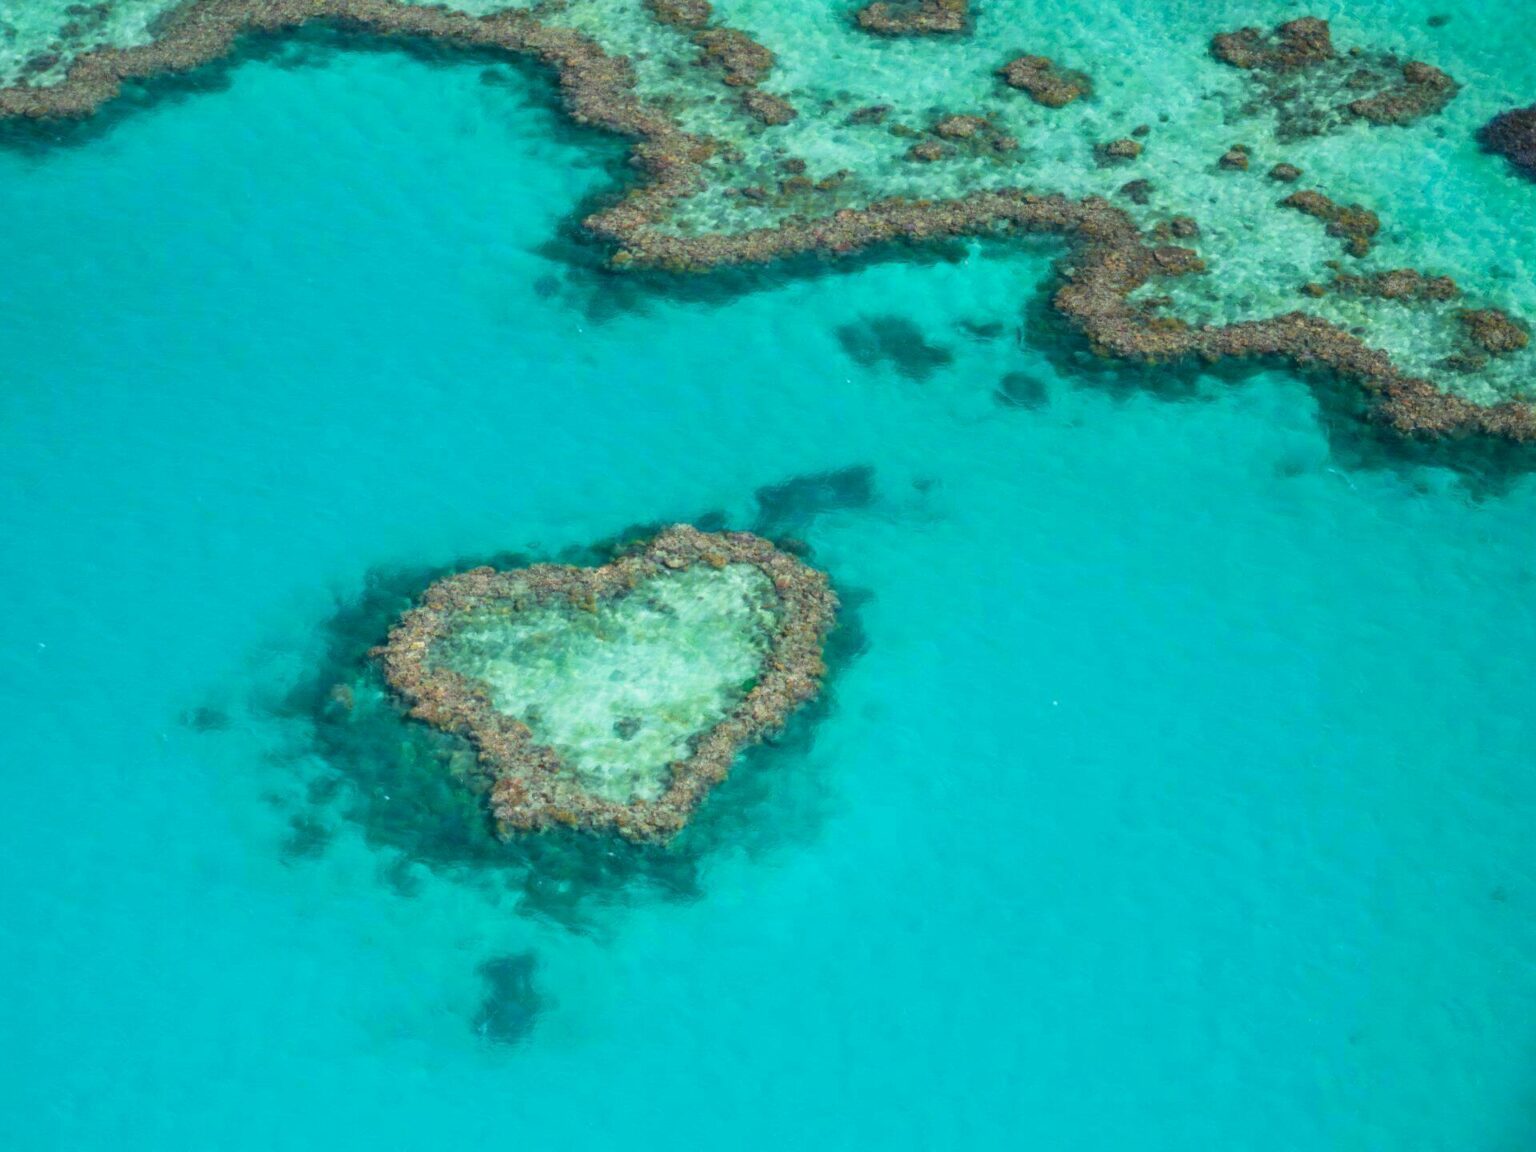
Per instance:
(1173,787)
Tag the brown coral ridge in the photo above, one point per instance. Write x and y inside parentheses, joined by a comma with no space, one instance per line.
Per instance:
(1404,284)
(1109,257)
(1512,135)
(743,61)
(1351,223)
(975,135)
(1046,83)
(914,17)
(1293,45)
(1315,89)
(534,788)
(1493,331)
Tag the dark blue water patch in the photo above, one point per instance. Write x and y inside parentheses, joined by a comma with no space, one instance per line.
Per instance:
(205,718)
(1022,390)
(895,341)
(790,506)
(512,1002)
(308,838)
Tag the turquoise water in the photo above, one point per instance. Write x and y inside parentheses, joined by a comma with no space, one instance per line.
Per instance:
(1178,796)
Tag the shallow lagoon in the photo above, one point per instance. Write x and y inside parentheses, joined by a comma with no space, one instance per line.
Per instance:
(1179,797)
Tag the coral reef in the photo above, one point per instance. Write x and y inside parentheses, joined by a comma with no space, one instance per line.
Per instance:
(1046,83)
(914,17)
(1314,89)
(1235,158)
(1397,284)
(536,786)
(1293,45)
(1494,332)
(1117,151)
(1351,223)
(1109,256)
(1512,135)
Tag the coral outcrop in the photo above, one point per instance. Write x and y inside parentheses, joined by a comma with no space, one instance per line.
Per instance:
(1494,331)
(1351,223)
(1046,83)
(914,17)
(1512,135)
(1314,89)
(1407,284)
(484,653)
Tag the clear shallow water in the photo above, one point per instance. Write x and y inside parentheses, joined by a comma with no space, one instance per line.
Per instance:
(1180,798)
(617,689)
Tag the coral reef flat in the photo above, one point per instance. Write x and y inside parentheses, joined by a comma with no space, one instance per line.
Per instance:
(616,697)
(727,178)
(1170,784)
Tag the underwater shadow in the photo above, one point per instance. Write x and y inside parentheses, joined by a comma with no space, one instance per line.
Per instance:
(513,1002)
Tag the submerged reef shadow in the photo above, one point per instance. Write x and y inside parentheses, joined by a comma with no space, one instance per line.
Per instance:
(788,507)
(513,1002)
(893,340)
(353,757)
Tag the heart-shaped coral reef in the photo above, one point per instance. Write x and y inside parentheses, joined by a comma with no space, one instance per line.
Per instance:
(615,697)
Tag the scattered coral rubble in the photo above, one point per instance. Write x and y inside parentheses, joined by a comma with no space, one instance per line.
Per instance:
(1313,88)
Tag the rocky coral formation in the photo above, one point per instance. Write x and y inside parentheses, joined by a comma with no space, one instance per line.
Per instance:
(1235,158)
(746,63)
(1046,83)
(767,108)
(743,62)
(1117,151)
(914,17)
(1406,284)
(681,13)
(975,134)
(1109,257)
(1493,331)
(1314,89)
(1422,91)
(535,786)
(1512,135)
(1293,45)
(1351,223)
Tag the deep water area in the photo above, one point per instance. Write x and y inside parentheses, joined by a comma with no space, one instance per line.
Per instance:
(1172,786)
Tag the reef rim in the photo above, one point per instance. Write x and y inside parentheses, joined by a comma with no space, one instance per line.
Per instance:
(1109,256)
(533,785)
